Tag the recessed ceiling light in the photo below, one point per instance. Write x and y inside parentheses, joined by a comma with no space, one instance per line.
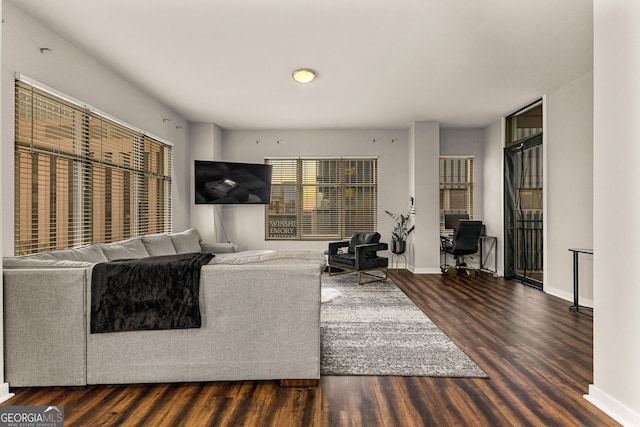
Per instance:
(304,75)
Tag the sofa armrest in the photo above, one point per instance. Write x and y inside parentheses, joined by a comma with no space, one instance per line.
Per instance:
(371,247)
(44,326)
(367,251)
(218,248)
(267,313)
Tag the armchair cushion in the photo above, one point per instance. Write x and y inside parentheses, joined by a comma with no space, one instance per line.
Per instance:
(361,238)
(343,258)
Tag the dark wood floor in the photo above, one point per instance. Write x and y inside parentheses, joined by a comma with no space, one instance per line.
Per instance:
(536,352)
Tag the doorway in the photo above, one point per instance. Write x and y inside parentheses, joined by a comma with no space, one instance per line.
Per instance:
(523,204)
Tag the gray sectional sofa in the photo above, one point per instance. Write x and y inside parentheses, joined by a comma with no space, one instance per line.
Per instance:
(260,318)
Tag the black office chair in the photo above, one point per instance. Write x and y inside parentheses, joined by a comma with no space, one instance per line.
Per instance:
(360,257)
(464,242)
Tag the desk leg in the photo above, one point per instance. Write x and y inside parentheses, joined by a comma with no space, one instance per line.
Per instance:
(575,307)
(576,302)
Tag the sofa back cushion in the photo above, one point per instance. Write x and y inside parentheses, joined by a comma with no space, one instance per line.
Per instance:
(88,253)
(187,241)
(127,249)
(158,244)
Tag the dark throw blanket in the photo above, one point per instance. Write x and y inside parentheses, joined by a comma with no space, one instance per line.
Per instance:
(160,292)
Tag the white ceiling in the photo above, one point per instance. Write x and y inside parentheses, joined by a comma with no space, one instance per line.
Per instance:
(381,63)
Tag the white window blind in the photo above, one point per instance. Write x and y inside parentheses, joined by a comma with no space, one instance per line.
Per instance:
(456,187)
(82,178)
(323,198)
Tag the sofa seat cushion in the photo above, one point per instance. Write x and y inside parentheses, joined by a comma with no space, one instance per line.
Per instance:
(187,241)
(348,258)
(158,244)
(270,257)
(127,249)
(242,257)
(87,253)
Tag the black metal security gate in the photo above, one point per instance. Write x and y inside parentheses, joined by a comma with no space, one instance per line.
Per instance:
(524,211)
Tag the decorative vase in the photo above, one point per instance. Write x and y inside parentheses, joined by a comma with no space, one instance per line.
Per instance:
(398,246)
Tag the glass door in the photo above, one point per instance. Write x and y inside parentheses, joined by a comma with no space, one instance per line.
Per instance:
(524,211)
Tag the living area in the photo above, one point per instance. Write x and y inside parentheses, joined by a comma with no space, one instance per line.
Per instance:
(408,155)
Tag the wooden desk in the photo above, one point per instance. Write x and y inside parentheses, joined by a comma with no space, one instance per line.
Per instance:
(492,242)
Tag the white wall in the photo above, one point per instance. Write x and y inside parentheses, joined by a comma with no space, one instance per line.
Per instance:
(244,224)
(468,142)
(411,186)
(493,188)
(74,73)
(424,160)
(4,387)
(568,152)
(205,143)
(568,210)
(616,287)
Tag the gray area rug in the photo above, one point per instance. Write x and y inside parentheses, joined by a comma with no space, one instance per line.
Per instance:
(375,329)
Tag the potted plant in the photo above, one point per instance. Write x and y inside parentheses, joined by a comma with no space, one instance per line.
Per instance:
(402,229)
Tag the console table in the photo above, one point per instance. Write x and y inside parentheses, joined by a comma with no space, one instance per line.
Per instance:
(492,241)
(576,306)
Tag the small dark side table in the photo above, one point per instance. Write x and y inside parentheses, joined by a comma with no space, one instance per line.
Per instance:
(576,306)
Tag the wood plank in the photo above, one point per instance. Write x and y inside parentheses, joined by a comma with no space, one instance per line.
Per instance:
(537,353)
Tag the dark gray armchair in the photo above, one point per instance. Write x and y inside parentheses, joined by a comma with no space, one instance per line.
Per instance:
(360,256)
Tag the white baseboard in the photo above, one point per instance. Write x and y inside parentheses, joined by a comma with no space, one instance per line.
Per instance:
(4,392)
(568,296)
(425,270)
(612,407)
(439,271)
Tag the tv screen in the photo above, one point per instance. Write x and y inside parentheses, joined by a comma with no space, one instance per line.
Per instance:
(232,183)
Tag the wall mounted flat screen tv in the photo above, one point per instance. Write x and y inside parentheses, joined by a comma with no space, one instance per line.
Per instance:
(225,183)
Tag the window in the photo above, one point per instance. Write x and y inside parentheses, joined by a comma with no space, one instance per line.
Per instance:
(83,178)
(456,187)
(524,124)
(320,199)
